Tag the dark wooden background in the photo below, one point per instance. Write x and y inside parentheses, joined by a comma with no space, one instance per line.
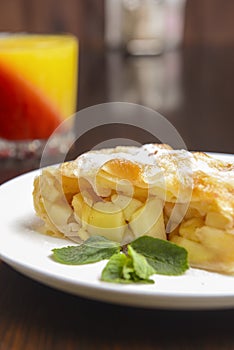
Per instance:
(208,22)
(203,71)
(205,66)
(84,18)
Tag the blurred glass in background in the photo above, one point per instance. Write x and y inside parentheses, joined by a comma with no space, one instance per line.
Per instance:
(151,81)
(144,60)
(38,90)
(144,27)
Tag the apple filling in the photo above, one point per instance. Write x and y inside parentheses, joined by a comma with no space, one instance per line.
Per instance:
(208,239)
(83,214)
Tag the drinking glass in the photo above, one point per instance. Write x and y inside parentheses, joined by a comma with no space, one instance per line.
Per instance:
(38,90)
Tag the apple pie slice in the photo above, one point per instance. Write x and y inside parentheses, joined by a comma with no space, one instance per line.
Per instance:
(126,192)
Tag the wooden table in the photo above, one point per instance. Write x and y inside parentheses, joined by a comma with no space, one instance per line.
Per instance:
(194,89)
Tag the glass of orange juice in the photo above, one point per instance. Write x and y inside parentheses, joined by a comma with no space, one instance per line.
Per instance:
(38,89)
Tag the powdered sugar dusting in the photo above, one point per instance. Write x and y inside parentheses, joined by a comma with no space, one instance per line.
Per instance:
(154,160)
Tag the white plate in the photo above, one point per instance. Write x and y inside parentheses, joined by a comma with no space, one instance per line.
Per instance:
(28,251)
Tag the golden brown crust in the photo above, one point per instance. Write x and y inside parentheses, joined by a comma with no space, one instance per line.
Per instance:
(176,177)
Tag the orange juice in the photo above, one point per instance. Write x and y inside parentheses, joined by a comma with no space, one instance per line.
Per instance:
(38,84)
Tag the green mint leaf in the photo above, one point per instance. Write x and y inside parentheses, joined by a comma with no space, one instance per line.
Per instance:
(141,267)
(113,271)
(133,268)
(94,249)
(165,257)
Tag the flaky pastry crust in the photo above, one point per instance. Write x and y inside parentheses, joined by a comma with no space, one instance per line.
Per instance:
(196,188)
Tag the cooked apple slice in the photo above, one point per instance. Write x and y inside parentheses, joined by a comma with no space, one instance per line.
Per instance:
(127,204)
(148,220)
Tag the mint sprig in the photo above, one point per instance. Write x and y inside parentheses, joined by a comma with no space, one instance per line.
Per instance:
(144,257)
